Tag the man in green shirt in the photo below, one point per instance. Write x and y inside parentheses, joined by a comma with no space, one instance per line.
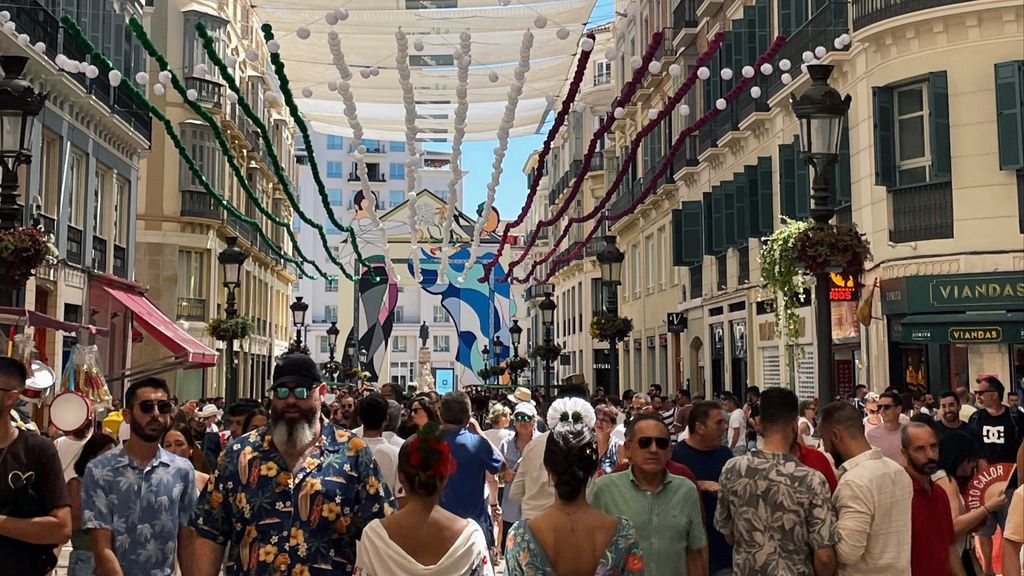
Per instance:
(664,508)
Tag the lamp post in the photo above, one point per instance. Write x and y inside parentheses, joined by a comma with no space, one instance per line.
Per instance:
(516,332)
(364,356)
(298,309)
(547,319)
(821,111)
(486,353)
(351,347)
(331,367)
(610,258)
(231,259)
(19,106)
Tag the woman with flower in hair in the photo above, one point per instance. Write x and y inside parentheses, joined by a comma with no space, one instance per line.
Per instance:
(423,539)
(572,538)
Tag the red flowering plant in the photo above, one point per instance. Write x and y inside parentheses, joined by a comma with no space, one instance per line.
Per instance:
(428,452)
(22,250)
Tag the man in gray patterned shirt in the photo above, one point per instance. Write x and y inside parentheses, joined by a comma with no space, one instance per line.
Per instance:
(776,512)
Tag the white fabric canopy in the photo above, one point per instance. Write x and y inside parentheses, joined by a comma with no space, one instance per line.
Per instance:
(367,39)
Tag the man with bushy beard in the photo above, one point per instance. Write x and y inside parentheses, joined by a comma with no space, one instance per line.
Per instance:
(137,499)
(872,498)
(932,542)
(294,495)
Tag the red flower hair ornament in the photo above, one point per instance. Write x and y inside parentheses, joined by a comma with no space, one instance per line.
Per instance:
(428,451)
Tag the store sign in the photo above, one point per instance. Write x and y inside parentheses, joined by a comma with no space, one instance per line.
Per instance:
(676,322)
(842,288)
(964,334)
(976,334)
(954,293)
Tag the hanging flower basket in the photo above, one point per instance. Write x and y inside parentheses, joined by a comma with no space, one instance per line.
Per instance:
(546,353)
(349,373)
(233,329)
(491,372)
(828,248)
(608,328)
(22,250)
(517,364)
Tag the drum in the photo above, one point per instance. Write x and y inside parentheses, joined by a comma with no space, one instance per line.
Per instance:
(39,384)
(69,411)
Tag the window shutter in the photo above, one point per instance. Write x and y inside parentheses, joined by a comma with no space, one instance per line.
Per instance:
(803,183)
(885,141)
(786,8)
(717,220)
(753,190)
(763,28)
(1010,114)
(708,222)
(766,218)
(729,212)
(842,183)
(787,181)
(938,105)
(742,231)
(726,60)
(677,237)
(692,218)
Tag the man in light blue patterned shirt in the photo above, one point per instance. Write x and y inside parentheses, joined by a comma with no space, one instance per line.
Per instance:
(137,499)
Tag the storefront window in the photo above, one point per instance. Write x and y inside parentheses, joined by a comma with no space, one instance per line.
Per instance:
(1017,356)
(959,367)
(915,359)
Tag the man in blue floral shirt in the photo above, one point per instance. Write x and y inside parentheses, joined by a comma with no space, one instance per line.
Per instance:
(137,499)
(293,497)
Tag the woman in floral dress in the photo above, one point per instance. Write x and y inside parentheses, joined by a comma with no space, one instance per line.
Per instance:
(398,544)
(572,538)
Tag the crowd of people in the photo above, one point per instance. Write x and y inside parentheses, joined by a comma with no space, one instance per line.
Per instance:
(366,480)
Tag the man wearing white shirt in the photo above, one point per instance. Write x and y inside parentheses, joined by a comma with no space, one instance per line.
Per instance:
(873,498)
(736,436)
(373,414)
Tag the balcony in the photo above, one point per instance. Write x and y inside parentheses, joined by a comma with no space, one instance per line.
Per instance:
(99,254)
(191,309)
(49,224)
(372,147)
(371,176)
(196,204)
(208,92)
(537,291)
(562,257)
(596,162)
(684,22)
(594,247)
(74,250)
(244,229)
(666,51)
(868,12)
(921,212)
(687,157)
(821,29)
(120,261)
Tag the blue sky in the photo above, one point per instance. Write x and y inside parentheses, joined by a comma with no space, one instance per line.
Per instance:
(478,156)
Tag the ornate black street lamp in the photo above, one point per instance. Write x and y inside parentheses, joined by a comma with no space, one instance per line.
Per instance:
(486,353)
(821,111)
(331,368)
(299,309)
(19,106)
(516,332)
(351,349)
(231,259)
(547,319)
(610,258)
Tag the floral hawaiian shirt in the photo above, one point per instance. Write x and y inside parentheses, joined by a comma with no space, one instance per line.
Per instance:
(300,522)
(142,509)
(779,512)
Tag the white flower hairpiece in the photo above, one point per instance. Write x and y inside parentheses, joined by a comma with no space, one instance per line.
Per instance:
(570,412)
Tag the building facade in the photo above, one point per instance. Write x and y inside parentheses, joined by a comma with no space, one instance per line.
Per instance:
(334,300)
(181,229)
(929,171)
(82,186)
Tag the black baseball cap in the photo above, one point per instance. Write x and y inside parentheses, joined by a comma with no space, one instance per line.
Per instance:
(296,369)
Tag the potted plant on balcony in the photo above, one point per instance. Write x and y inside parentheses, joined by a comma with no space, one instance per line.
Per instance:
(546,353)
(230,329)
(609,328)
(22,250)
(517,364)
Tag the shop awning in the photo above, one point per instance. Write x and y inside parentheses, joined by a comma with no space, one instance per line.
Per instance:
(12,315)
(980,328)
(164,330)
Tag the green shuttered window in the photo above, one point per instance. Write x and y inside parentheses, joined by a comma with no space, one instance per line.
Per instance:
(911,131)
(687,234)
(1010,114)
(794,185)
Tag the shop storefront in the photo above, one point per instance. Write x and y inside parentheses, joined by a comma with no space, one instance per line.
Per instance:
(943,331)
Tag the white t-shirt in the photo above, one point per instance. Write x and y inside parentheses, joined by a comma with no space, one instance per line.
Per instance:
(68,450)
(737,419)
(386,455)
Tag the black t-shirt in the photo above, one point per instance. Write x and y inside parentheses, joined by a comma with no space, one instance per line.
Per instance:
(33,459)
(1001,435)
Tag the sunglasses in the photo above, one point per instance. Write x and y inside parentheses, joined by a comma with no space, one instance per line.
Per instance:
(416,409)
(161,406)
(976,392)
(300,392)
(886,406)
(644,442)
(524,418)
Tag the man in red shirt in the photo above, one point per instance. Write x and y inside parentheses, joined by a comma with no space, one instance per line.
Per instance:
(814,458)
(932,550)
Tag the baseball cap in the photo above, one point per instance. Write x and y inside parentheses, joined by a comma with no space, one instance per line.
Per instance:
(296,369)
(525,408)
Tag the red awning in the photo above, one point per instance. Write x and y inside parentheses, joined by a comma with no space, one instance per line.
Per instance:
(164,330)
